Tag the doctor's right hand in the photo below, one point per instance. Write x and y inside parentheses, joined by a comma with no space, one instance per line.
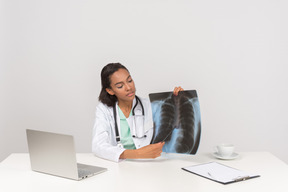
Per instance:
(149,151)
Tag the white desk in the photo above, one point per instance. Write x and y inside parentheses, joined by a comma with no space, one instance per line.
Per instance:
(162,174)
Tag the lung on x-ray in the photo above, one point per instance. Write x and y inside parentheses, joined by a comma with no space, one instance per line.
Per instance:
(176,121)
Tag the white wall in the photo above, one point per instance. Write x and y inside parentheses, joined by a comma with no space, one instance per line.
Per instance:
(234,53)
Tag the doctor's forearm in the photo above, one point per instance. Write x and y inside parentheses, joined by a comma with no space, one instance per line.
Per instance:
(128,154)
(134,154)
(149,151)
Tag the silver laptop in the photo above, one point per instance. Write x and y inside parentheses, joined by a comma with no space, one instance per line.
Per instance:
(54,154)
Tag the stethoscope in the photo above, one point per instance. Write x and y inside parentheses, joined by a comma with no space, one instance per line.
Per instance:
(133,113)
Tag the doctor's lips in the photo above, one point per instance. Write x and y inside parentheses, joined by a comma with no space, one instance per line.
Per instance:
(130,94)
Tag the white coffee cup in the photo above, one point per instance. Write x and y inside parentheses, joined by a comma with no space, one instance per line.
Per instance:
(225,149)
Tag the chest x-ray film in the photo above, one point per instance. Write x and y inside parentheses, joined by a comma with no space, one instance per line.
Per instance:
(176,121)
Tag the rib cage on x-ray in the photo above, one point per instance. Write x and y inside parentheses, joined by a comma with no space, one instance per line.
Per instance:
(177,121)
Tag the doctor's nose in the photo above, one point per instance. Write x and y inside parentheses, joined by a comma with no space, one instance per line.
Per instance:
(128,88)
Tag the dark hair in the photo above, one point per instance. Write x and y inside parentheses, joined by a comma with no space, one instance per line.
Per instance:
(106,73)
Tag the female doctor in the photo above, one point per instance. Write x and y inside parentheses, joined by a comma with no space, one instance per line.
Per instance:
(123,126)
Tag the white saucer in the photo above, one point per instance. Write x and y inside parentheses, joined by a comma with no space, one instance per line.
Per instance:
(233,156)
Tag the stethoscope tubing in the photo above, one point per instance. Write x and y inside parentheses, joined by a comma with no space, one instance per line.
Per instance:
(133,113)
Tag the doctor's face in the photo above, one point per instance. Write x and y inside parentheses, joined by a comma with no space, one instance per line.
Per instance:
(122,86)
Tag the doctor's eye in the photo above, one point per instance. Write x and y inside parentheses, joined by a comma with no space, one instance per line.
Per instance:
(130,80)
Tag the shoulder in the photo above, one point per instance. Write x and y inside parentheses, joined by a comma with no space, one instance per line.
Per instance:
(146,104)
(145,101)
(103,108)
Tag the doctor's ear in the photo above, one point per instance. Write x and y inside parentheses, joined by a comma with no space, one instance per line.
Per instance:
(110,91)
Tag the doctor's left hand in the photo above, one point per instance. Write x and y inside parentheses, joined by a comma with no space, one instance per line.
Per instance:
(149,151)
(177,90)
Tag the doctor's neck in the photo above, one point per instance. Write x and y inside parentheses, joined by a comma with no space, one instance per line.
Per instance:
(125,106)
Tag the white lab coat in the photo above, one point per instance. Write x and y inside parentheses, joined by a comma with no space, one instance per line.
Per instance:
(104,143)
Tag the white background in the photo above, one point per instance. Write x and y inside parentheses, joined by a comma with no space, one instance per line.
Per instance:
(234,53)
